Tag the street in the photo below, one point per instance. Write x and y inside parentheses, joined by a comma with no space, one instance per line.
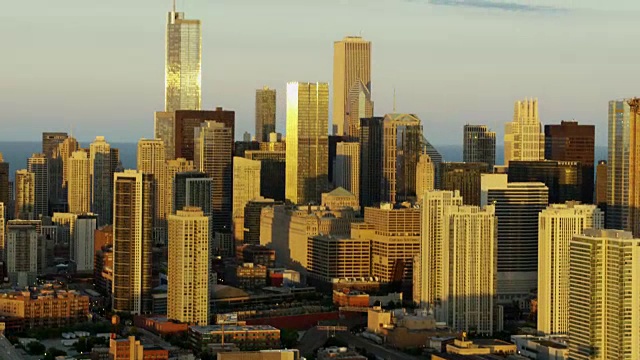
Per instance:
(381,351)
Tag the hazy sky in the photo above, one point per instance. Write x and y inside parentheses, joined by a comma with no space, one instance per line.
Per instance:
(98,65)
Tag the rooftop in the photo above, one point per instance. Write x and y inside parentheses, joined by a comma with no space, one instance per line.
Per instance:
(231,328)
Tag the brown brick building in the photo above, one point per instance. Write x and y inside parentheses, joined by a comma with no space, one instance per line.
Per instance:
(188,120)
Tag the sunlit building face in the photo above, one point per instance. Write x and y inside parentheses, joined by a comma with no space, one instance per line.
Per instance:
(183,74)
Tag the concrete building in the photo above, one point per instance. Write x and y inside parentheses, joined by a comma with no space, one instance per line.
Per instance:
(351,64)
(246,337)
(132,242)
(82,243)
(3,219)
(185,123)
(542,347)
(171,169)
(359,106)
(570,141)
(288,354)
(132,349)
(252,212)
(188,269)
(563,178)
(523,137)
(213,156)
(265,113)
(79,183)
(623,198)
(331,257)
(4,183)
(604,306)
(429,281)
(340,199)
(51,141)
(307,164)
(101,180)
(339,353)
(601,185)
(347,167)
(479,145)
(38,165)
(246,187)
(425,177)
(470,268)
(66,223)
(151,160)
(517,208)
(25,195)
(557,226)
(193,189)
(463,177)
(401,150)
(370,161)
(183,62)
(65,152)
(22,254)
(272,172)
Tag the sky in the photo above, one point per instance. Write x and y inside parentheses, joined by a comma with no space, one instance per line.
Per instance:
(97,67)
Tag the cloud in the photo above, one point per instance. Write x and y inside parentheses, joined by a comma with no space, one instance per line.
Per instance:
(495,5)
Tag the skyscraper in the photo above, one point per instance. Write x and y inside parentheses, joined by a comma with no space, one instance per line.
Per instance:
(25,185)
(623,166)
(132,242)
(601,185)
(265,113)
(307,142)
(3,219)
(188,269)
(479,145)
(38,165)
(101,180)
(22,253)
(51,141)
(213,156)
(401,150)
(359,106)
(557,226)
(4,183)
(517,208)
(246,187)
(464,177)
(429,280)
(604,306)
(370,161)
(164,129)
(64,153)
(436,158)
(470,267)
(183,63)
(425,177)
(351,63)
(151,160)
(82,242)
(563,178)
(347,167)
(570,141)
(523,138)
(79,183)
(272,172)
(187,121)
(171,169)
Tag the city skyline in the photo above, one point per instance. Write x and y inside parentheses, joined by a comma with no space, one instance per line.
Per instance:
(229,81)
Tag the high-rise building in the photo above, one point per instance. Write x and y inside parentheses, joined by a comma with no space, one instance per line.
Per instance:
(150,160)
(464,177)
(401,150)
(82,242)
(601,185)
(79,188)
(272,172)
(436,158)
(563,178)
(331,257)
(370,161)
(164,129)
(523,138)
(22,253)
(183,73)
(307,142)
(517,208)
(570,141)
(38,165)
(429,280)
(265,113)
(185,123)
(359,106)
(4,182)
(25,190)
(132,242)
(623,197)
(246,187)
(101,180)
(347,167)
(333,147)
(252,213)
(425,177)
(65,151)
(51,141)
(479,145)
(604,306)
(557,225)
(214,157)
(188,269)
(171,169)
(470,267)
(3,218)
(351,64)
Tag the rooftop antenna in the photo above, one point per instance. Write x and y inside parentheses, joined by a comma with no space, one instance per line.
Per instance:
(174,5)
(394,99)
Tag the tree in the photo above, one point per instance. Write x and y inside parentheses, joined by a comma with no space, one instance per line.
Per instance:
(52,353)
(288,338)
(35,348)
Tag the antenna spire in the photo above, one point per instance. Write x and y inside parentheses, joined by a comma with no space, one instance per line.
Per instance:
(394,99)
(174,5)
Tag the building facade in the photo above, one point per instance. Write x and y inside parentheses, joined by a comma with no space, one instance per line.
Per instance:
(272,172)
(151,160)
(101,180)
(370,161)
(479,145)
(563,178)
(82,243)
(347,167)
(523,137)
(79,183)
(186,121)
(246,187)
(38,164)
(425,177)
(22,253)
(25,195)
(464,177)
(265,113)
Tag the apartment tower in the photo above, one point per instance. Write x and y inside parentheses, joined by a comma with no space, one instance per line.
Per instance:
(101,180)
(79,188)
(523,137)
(38,165)
(151,160)
(246,187)
(25,194)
